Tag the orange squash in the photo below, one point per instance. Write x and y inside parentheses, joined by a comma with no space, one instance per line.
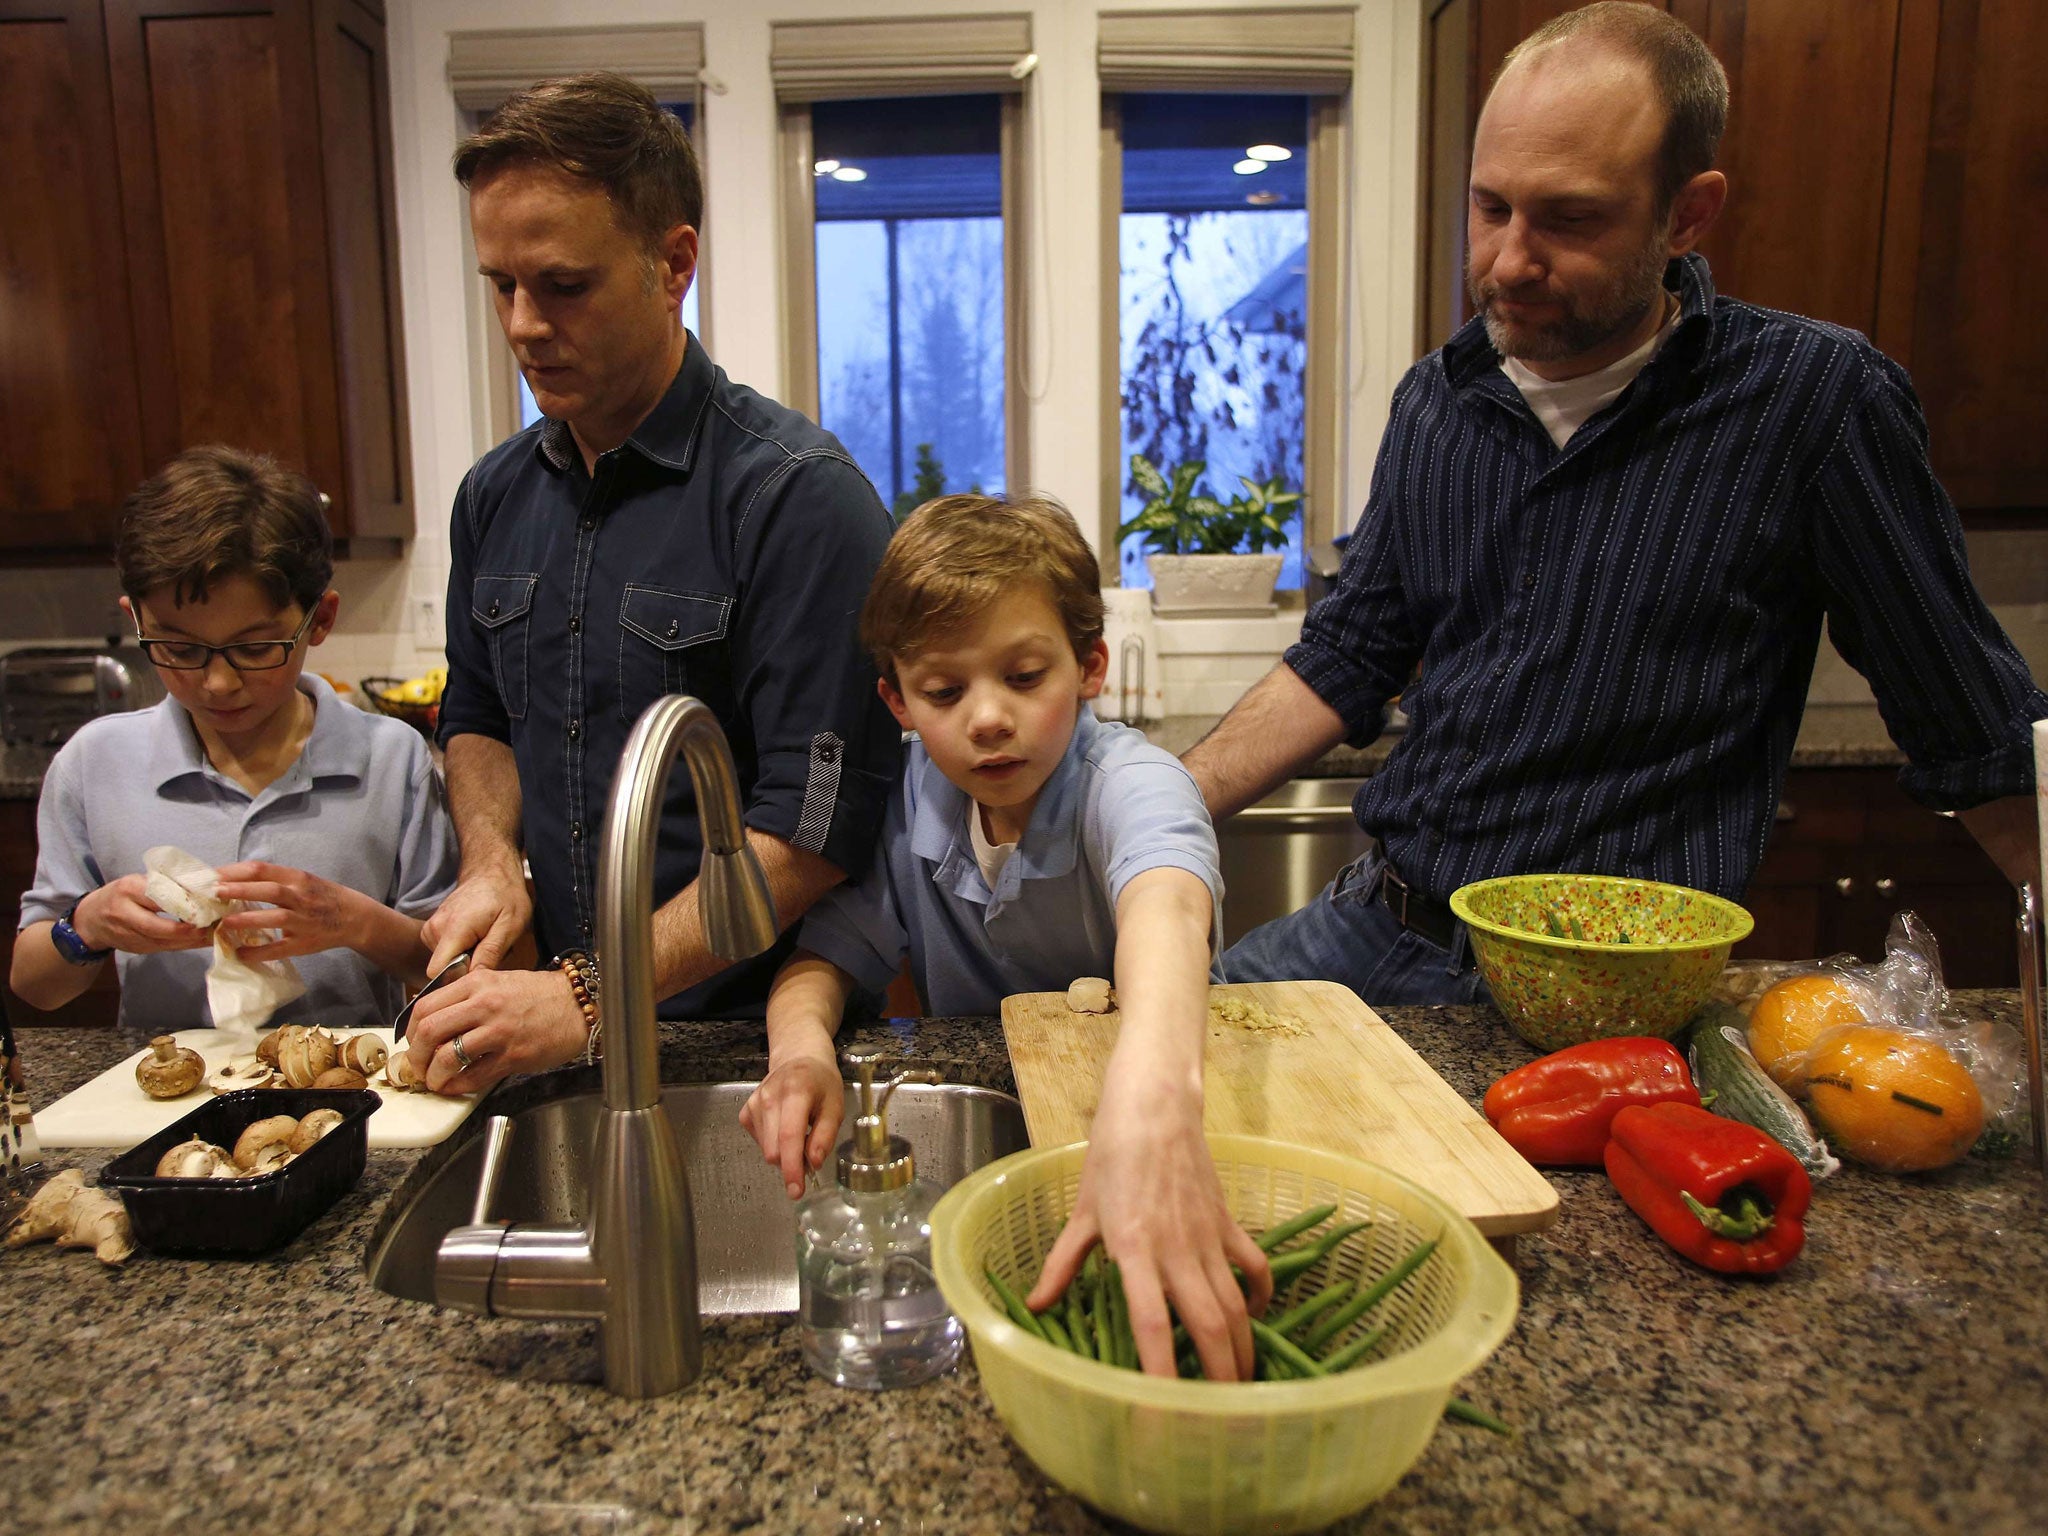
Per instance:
(1891,1100)
(1790,1016)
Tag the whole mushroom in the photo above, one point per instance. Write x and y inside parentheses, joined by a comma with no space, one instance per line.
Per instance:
(195,1159)
(268,1139)
(312,1127)
(341,1077)
(170,1070)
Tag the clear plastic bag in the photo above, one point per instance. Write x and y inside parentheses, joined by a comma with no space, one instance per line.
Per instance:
(1874,1049)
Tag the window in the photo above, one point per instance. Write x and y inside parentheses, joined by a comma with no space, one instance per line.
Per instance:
(1222,256)
(1212,290)
(909,240)
(901,146)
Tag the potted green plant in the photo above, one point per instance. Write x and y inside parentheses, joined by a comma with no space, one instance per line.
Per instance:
(1209,556)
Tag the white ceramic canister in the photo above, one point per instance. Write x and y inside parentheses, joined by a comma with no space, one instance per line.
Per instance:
(1136,689)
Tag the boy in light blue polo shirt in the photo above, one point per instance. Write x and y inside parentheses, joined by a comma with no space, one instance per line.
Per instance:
(1031,844)
(333,820)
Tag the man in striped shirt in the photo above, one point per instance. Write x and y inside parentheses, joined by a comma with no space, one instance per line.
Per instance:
(1607,521)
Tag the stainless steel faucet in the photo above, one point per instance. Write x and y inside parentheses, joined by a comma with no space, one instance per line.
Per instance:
(633,1266)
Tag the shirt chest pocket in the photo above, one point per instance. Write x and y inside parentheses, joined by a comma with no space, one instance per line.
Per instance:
(502,607)
(669,642)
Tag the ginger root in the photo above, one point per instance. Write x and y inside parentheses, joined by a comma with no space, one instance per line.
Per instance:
(76,1217)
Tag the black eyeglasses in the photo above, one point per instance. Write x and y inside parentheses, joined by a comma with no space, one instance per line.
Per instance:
(243,655)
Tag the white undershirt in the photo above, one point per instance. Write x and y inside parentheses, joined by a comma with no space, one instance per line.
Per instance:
(1563,406)
(990,856)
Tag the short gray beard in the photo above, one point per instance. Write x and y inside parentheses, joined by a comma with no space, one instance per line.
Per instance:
(1614,312)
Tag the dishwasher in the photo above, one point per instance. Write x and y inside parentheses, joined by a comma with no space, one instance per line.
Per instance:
(1278,854)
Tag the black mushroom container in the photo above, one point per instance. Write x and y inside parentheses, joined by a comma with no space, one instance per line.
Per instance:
(216,1217)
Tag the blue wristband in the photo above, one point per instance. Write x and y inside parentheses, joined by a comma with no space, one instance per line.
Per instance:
(68,944)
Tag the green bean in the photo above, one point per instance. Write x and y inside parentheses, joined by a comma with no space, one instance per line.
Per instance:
(1126,1348)
(1078,1328)
(1366,1299)
(1469,1413)
(1294,1226)
(1292,1264)
(1285,1350)
(1355,1351)
(1294,1317)
(1020,1314)
(1099,1310)
(1055,1331)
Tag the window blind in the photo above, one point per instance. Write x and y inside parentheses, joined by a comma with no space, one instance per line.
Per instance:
(927,56)
(1298,51)
(486,67)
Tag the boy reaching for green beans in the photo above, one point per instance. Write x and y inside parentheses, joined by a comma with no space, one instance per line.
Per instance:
(1029,843)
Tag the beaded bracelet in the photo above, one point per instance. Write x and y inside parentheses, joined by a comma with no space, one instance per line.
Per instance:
(580,966)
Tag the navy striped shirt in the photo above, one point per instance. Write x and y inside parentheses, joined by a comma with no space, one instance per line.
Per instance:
(1616,638)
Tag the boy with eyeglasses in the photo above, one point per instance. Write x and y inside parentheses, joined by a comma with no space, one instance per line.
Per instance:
(331,819)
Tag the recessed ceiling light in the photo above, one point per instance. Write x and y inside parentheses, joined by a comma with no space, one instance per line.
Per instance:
(824,167)
(1262,199)
(849,173)
(1249,167)
(1270,152)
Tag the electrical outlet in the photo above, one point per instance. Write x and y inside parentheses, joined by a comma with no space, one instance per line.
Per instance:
(426,623)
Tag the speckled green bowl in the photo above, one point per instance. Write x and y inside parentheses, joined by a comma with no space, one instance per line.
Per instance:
(1648,958)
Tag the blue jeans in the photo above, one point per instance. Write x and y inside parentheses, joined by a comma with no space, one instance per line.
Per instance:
(1346,935)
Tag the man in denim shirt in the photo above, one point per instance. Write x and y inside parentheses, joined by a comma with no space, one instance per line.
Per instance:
(662,530)
(1608,519)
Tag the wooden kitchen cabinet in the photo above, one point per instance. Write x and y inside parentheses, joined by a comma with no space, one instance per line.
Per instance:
(1849,851)
(1885,160)
(238,217)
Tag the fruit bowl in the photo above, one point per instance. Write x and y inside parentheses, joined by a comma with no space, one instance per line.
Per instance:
(1571,958)
(423,717)
(1199,1456)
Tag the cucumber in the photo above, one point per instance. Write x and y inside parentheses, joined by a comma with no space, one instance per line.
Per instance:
(1723,1066)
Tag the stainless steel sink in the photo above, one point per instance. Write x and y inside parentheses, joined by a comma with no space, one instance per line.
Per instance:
(746,1222)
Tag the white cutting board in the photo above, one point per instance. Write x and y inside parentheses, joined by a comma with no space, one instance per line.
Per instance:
(113,1111)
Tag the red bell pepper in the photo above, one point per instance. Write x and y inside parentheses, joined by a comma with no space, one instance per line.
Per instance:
(1556,1110)
(1722,1193)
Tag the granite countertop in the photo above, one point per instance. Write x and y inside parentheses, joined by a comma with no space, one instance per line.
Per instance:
(1830,736)
(1894,1380)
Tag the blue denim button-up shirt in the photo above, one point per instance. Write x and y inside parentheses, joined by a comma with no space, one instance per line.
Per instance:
(1616,637)
(723,550)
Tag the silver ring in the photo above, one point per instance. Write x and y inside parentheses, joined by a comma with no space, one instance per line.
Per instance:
(460,1054)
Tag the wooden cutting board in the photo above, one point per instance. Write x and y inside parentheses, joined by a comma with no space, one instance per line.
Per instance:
(1345,1082)
(113,1111)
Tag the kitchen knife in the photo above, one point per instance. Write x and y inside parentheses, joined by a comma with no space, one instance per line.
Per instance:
(454,970)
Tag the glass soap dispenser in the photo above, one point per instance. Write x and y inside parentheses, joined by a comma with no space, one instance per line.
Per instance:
(870,1308)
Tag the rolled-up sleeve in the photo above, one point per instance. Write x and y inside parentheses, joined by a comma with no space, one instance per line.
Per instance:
(828,750)
(1952,688)
(1358,645)
(470,704)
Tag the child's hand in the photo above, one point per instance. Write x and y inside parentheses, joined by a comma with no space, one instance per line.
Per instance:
(795,1114)
(120,915)
(1150,1194)
(305,913)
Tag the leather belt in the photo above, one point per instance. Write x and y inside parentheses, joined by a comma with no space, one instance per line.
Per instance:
(1415,910)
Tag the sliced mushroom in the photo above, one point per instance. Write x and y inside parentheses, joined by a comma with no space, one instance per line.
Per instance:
(401,1074)
(242,1072)
(365,1053)
(193,1159)
(312,1127)
(341,1077)
(266,1048)
(305,1056)
(271,1131)
(170,1070)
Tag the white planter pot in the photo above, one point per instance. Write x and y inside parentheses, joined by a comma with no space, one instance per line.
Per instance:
(1213,585)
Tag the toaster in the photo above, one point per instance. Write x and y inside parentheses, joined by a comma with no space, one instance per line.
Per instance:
(49,691)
